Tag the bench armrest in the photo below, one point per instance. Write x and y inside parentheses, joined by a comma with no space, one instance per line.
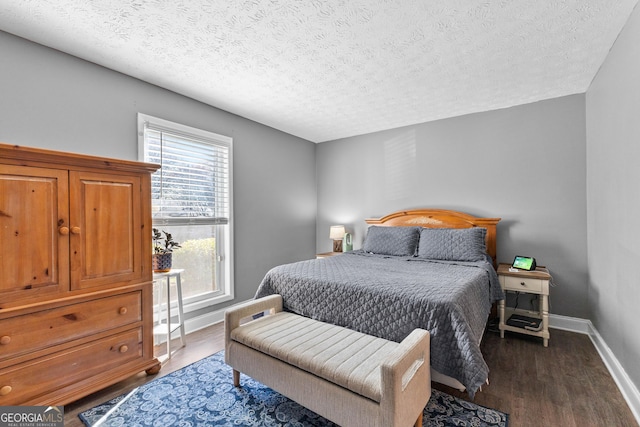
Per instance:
(234,315)
(406,379)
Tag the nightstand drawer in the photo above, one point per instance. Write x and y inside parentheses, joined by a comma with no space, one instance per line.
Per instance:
(522,284)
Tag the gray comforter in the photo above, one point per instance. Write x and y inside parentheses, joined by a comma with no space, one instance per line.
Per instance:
(389,296)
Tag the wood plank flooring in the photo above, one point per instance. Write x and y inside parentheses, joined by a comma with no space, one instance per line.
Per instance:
(565,384)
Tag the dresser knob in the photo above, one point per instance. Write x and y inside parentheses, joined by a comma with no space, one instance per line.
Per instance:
(123,310)
(5,340)
(523,284)
(63,230)
(5,390)
(124,349)
(75,230)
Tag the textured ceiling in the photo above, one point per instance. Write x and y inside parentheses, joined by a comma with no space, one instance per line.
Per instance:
(327,69)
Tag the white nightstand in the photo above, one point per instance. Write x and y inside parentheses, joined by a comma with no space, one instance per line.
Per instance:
(529,282)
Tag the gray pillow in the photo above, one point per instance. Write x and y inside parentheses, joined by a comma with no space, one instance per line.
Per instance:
(453,244)
(398,241)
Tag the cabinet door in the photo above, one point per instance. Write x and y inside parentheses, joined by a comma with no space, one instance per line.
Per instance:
(34,213)
(106,234)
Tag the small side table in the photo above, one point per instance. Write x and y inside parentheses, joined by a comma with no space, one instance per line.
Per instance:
(327,254)
(165,327)
(530,282)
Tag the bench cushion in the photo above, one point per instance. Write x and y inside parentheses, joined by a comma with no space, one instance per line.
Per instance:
(348,358)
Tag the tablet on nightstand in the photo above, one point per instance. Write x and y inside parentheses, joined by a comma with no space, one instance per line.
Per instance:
(524,263)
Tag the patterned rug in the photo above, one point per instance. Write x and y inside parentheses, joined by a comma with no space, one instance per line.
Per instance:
(202,394)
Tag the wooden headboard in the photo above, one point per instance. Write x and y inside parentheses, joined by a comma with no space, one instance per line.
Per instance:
(442,218)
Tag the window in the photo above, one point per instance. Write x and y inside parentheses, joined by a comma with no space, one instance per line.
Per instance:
(191,199)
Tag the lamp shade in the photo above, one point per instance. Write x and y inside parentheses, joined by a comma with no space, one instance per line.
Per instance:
(336,232)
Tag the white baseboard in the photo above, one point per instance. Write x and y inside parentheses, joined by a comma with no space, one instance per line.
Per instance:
(571,324)
(208,319)
(627,388)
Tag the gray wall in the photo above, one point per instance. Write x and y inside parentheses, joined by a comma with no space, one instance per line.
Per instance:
(524,164)
(613,198)
(53,100)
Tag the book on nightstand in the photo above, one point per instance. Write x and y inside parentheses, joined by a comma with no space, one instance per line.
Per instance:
(525,322)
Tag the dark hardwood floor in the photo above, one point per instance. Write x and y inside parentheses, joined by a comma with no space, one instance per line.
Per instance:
(565,384)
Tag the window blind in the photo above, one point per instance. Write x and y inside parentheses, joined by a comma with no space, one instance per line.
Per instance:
(192,186)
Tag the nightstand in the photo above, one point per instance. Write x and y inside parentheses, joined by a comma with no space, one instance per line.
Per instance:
(327,254)
(528,282)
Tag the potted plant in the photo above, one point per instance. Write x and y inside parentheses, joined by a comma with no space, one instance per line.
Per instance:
(163,246)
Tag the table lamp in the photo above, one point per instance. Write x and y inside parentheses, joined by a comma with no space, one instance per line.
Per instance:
(336,234)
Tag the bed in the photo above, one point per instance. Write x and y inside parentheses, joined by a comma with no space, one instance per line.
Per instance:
(426,268)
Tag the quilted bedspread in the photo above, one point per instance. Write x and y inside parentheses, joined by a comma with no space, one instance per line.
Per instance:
(388,297)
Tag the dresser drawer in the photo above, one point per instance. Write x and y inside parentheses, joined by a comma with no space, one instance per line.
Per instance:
(30,332)
(511,283)
(31,379)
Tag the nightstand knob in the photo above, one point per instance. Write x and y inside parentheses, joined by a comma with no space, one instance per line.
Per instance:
(123,310)
(5,390)
(123,349)
(6,339)
(523,284)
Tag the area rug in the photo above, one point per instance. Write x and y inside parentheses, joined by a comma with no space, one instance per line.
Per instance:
(202,394)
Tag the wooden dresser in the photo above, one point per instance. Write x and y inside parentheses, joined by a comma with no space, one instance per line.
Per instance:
(75,274)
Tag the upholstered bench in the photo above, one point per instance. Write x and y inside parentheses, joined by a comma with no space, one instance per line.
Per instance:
(348,377)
